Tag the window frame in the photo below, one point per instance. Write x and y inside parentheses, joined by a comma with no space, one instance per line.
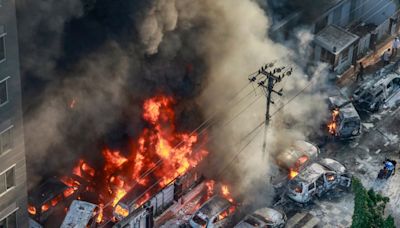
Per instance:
(1,140)
(5,179)
(6,81)
(8,215)
(3,35)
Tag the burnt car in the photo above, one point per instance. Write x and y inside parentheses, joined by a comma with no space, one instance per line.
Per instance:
(264,217)
(297,155)
(49,198)
(345,122)
(213,213)
(317,179)
(379,93)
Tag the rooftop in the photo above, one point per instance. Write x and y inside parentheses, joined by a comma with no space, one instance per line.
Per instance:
(335,39)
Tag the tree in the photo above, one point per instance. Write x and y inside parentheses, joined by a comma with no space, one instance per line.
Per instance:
(369,208)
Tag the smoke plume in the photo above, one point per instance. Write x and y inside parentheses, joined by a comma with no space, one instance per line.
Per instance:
(106,57)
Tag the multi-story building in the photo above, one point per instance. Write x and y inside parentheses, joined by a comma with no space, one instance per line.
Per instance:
(13,188)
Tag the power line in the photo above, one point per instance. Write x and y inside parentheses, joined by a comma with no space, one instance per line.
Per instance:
(262,123)
(269,77)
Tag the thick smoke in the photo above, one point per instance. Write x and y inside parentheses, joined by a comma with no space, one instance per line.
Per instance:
(108,57)
(233,43)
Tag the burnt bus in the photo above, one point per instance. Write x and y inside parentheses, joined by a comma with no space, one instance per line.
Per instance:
(154,198)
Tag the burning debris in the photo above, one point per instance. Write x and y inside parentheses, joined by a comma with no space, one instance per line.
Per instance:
(156,158)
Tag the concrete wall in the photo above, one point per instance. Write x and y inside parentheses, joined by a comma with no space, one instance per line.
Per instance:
(374,11)
(11,115)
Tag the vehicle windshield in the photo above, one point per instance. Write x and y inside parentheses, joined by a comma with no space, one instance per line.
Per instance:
(367,97)
(199,220)
(295,186)
(252,221)
(262,218)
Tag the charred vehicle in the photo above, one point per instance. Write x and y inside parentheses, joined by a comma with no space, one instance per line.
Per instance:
(265,217)
(297,156)
(317,179)
(380,93)
(345,122)
(213,213)
(49,198)
(80,214)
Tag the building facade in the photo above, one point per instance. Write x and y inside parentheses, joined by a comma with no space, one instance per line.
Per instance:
(13,188)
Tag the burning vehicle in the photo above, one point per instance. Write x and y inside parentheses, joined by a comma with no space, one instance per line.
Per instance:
(264,217)
(80,214)
(383,92)
(345,122)
(297,156)
(48,198)
(317,179)
(213,213)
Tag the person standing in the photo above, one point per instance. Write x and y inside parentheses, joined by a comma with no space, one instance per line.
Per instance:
(395,46)
(360,74)
(386,57)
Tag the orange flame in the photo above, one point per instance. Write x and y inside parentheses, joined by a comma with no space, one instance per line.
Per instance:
(293,173)
(226,193)
(159,153)
(100,215)
(32,210)
(332,125)
(45,207)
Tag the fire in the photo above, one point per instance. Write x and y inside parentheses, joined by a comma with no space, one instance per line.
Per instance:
(226,193)
(160,154)
(32,210)
(45,207)
(99,218)
(293,173)
(121,211)
(332,125)
(210,188)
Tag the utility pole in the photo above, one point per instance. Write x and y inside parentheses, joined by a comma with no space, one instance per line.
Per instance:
(266,78)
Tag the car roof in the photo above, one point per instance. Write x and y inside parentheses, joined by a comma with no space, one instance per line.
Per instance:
(348,110)
(79,214)
(270,214)
(298,149)
(214,206)
(311,173)
(332,165)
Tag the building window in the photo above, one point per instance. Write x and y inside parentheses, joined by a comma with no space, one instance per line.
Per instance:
(3,92)
(7,180)
(2,48)
(10,221)
(6,141)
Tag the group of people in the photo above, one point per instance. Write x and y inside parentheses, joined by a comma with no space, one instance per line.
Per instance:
(387,55)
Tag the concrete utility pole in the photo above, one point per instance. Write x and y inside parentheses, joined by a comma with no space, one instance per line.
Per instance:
(267,77)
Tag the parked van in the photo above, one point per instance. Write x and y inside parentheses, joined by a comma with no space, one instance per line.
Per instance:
(317,179)
(345,122)
(375,94)
(264,217)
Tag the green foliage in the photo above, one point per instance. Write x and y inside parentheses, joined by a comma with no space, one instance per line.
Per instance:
(369,208)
